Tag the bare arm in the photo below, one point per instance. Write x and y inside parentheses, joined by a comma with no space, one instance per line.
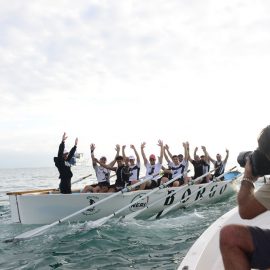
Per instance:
(185,145)
(136,153)
(207,157)
(92,149)
(117,148)
(227,156)
(105,166)
(188,154)
(143,154)
(166,149)
(160,144)
(169,153)
(123,151)
(195,152)
(249,207)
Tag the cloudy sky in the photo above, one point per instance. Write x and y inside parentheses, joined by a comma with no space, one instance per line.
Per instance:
(129,71)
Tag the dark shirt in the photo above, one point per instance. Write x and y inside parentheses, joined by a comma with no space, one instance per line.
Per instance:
(122,176)
(64,168)
(198,168)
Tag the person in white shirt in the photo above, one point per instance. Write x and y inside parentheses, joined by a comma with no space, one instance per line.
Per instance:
(177,164)
(102,174)
(152,167)
(134,165)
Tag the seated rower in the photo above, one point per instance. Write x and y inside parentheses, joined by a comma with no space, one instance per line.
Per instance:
(175,167)
(152,167)
(134,167)
(122,174)
(102,174)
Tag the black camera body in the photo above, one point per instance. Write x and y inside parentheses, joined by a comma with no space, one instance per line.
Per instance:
(260,164)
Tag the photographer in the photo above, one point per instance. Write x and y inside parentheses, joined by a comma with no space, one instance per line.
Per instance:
(246,247)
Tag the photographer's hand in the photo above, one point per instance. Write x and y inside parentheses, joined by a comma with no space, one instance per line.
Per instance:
(248,172)
(249,207)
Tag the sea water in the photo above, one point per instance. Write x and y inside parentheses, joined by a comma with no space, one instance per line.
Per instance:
(118,244)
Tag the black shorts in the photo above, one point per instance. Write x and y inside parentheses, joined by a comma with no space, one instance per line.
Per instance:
(152,185)
(180,180)
(103,184)
(116,188)
(260,259)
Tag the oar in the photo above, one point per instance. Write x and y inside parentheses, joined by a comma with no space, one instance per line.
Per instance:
(44,190)
(80,179)
(172,207)
(103,220)
(135,214)
(40,230)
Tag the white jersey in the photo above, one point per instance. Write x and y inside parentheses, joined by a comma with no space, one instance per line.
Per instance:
(177,168)
(153,169)
(185,164)
(102,174)
(134,171)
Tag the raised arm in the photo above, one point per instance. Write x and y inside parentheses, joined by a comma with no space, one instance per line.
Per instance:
(188,153)
(136,153)
(207,157)
(105,166)
(92,149)
(227,156)
(143,154)
(185,145)
(195,152)
(123,151)
(117,149)
(62,146)
(166,150)
(160,144)
(73,150)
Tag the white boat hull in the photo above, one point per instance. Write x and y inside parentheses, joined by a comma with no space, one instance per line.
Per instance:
(205,252)
(41,208)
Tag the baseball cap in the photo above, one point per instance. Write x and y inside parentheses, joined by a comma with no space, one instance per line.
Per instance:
(131,157)
(152,156)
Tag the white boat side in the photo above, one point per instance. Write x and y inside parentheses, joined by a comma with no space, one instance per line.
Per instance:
(205,253)
(40,208)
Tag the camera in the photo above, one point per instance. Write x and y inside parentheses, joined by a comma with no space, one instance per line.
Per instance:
(260,164)
(260,158)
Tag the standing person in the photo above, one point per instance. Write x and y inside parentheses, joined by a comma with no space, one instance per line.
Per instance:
(102,174)
(245,247)
(122,174)
(219,164)
(151,166)
(63,165)
(134,165)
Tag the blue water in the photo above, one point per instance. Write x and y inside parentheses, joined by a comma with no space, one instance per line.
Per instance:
(118,244)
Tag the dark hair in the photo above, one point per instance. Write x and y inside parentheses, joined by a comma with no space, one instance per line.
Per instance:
(174,156)
(264,141)
(119,158)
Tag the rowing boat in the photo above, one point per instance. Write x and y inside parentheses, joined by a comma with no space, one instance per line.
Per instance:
(43,207)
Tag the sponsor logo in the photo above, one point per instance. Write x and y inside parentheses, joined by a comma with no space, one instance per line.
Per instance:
(140,204)
(91,211)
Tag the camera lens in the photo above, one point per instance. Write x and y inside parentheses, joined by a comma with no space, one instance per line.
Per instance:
(242,158)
